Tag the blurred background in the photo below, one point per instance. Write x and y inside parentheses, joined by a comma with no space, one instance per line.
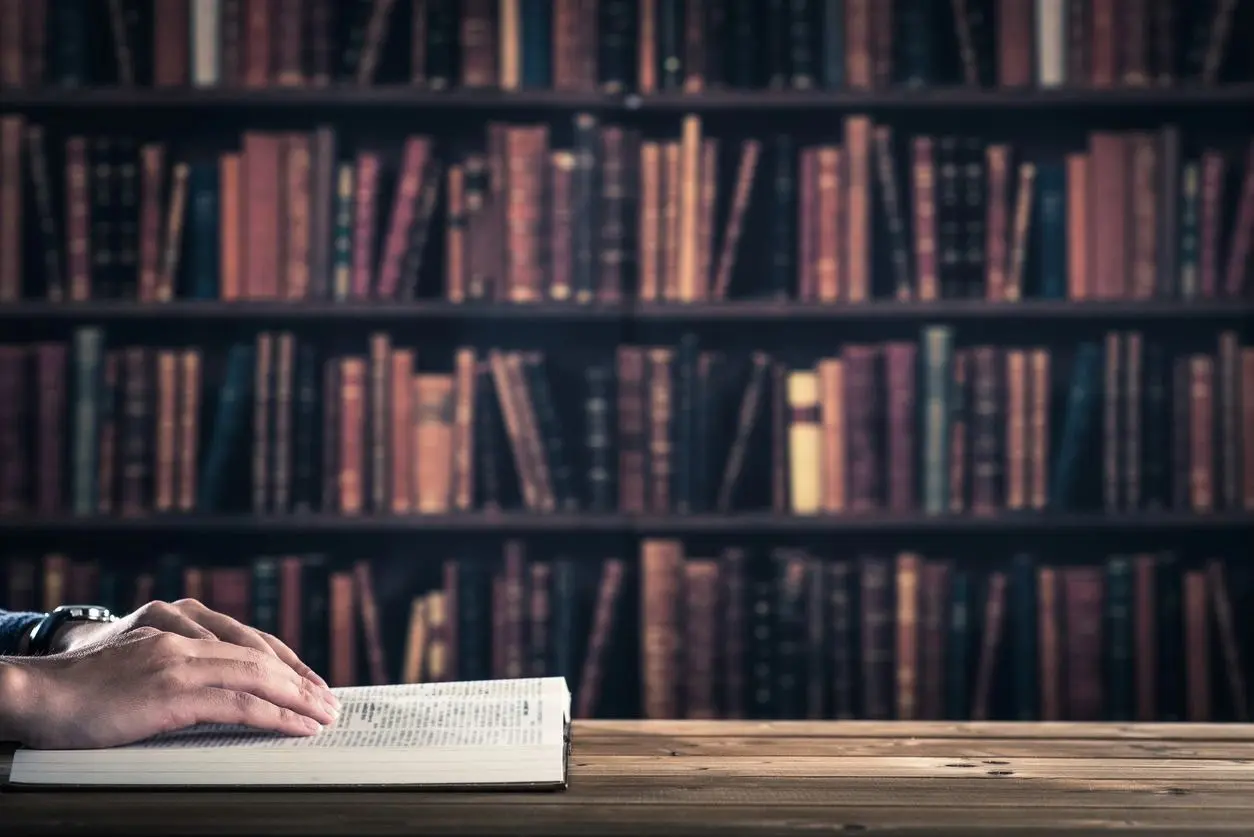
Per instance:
(882,359)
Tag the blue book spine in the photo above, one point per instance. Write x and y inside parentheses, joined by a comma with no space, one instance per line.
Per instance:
(203,265)
(537,51)
(834,44)
(1077,422)
(1052,198)
(228,425)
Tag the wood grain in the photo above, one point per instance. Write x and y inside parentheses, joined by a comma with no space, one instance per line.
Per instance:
(750,778)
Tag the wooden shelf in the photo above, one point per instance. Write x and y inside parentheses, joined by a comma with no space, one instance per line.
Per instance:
(740,523)
(949,99)
(392,97)
(337,97)
(763,311)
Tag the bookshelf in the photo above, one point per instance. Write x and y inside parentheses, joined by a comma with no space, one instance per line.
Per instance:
(765,524)
(762,312)
(350,98)
(1058,502)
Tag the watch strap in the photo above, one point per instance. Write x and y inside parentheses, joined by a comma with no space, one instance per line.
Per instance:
(40,638)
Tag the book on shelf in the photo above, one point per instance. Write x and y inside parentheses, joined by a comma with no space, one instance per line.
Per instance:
(468,734)
(616,46)
(940,425)
(1136,628)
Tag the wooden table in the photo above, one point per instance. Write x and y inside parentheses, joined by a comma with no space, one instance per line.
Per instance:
(745,778)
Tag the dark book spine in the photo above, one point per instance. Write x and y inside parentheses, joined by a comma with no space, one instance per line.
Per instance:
(616,44)
(917,21)
(584,207)
(1118,661)
(88,362)
(473,620)
(103,278)
(949,214)
(1051,230)
(598,438)
(487,440)
(306,459)
(958,650)
(683,424)
(783,236)
(168,584)
(1078,421)
(670,45)
(841,609)
(1156,450)
(265,590)
(761,646)
(790,635)
(876,640)
(71,59)
(777,42)
(1169,625)
(47,217)
(126,222)
(745,67)
(1024,627)
(137,431)
(833,44)
(612,230)
(704,420)
(562,609)
(203,232)
(974,200)
(803,64)
(229,424)
(557,456)
(315,610)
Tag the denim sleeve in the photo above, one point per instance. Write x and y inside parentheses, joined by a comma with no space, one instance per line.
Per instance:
(12,627)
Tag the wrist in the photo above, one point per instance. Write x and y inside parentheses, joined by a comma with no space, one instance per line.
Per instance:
(64,637)
(16,699)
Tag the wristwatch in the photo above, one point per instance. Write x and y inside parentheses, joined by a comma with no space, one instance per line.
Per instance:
(40,637)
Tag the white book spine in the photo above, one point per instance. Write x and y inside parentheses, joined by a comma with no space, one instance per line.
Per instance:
(1051,43)
(204,38)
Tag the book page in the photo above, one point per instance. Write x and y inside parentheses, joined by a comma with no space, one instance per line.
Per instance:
(467,714)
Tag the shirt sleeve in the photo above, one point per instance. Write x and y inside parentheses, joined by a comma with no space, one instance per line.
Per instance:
(13,626)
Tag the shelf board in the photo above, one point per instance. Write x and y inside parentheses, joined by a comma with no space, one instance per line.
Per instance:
(336,97)
(762,311)
(949,98)
(522,523)
(401,96)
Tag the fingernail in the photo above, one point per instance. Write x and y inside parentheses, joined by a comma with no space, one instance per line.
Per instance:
(330,698)
(311,725)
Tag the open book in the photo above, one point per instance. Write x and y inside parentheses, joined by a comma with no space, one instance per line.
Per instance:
(491,733)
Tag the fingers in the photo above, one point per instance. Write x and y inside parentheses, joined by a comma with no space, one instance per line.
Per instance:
(222,626)
(231,630)
(262,677)
(225,706)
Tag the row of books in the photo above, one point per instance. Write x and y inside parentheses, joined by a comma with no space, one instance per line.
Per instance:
(939,426)
(872,215)
(771,632)
(618,45)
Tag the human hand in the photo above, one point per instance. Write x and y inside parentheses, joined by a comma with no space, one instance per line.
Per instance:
(186,617)
(133,684)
